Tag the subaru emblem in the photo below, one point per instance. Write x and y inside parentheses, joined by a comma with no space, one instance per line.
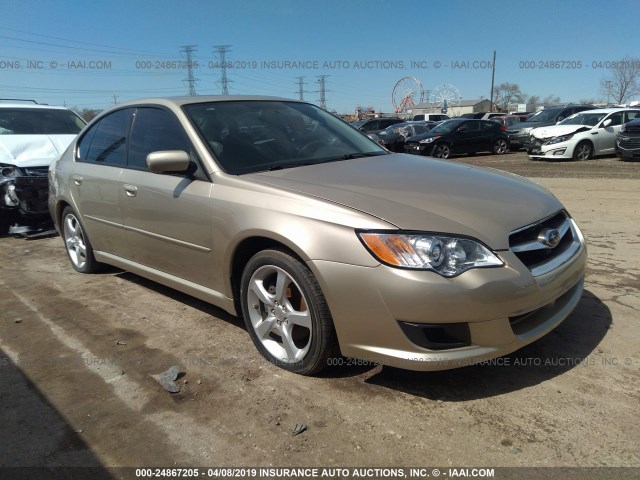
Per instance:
(549,237)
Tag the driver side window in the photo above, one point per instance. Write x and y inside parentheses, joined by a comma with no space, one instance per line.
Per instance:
(616,119)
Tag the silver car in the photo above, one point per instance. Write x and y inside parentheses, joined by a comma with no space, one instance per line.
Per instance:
(325,243)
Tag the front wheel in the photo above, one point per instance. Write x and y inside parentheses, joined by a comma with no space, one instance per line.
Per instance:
(500,146)
(583,151)
(79,249)
(442,150)
(286,313)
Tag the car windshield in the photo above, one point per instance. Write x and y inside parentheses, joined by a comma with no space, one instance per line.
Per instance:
(395,128)
(252,136)
(446,126)
(590,119)
(39,121)
(544,115)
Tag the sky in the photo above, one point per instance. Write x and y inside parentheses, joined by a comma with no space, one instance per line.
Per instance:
(92,54)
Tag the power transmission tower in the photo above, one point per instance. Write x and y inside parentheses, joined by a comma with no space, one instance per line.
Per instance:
(301,84)
(221,51)
(322,81)
(187,51)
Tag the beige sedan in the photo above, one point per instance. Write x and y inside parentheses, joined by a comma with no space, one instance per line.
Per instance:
(328,245)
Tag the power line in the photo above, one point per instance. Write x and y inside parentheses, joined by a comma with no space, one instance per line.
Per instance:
(191,81)
(221,51)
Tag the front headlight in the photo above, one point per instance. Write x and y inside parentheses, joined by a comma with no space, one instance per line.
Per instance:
(558,139)
(8,171)
(444,254)
(525,130)
(429,140)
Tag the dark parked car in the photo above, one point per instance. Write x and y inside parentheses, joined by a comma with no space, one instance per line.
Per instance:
(507,120)
(374,125)
(519,133)
(628,141)
(460,136)
(394,137)
(482,115)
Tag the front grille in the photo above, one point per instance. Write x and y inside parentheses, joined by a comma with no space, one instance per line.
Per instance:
(36,171)
(629,142)
(540,257)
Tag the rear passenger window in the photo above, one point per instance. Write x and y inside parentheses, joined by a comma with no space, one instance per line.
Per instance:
(105,142)
(154,130)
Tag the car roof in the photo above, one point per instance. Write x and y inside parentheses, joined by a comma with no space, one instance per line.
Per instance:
(606,110)
(32,106)
(185,100)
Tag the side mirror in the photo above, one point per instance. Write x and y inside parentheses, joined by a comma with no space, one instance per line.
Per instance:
(168,161)
(606,123)
(462,128)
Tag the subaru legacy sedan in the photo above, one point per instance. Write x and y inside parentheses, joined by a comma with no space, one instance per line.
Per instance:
(327,244)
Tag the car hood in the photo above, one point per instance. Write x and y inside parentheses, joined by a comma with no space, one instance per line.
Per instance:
(519,126)
(557,130)
(32,150)
(418,193)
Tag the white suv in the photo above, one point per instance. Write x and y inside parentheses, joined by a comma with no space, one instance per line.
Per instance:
(430,117)
(31,137)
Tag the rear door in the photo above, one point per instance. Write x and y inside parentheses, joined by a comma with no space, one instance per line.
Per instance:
(95,186)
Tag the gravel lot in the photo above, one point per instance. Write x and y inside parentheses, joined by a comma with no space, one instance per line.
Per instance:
(76,353)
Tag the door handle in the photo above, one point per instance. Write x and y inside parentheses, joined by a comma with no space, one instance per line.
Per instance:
(130,190)
(594,133)
(77,179)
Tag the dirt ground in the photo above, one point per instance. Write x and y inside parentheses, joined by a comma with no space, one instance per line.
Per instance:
(76,353)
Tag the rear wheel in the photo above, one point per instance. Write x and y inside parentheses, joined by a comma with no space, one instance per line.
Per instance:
(500,146)
(583,151)
(442,150)
(77,244)
(286,313)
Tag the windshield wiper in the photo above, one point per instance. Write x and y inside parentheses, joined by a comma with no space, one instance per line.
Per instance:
(282,166)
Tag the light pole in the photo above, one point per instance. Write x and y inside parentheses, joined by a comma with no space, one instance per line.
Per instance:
(608,91)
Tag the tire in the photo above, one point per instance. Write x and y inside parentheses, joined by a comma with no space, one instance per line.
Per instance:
(500,146)
(442,150)
(77,245)
(583,151)
(286,313)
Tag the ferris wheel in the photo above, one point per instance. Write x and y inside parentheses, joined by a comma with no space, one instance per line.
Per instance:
(407,93)
(445,97)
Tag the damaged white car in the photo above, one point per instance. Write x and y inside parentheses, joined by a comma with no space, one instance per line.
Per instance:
(580,136)
(31,137)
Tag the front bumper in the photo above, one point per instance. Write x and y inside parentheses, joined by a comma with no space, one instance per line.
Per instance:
(418,148)
(537,149)
(502,309)
(24,205)
(518,141)
(628,154)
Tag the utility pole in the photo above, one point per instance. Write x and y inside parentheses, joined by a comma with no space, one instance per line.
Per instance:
(608,91)
(187,51)
(115,99)
(221,51)
(493,74)
(322,81)
(301,84)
